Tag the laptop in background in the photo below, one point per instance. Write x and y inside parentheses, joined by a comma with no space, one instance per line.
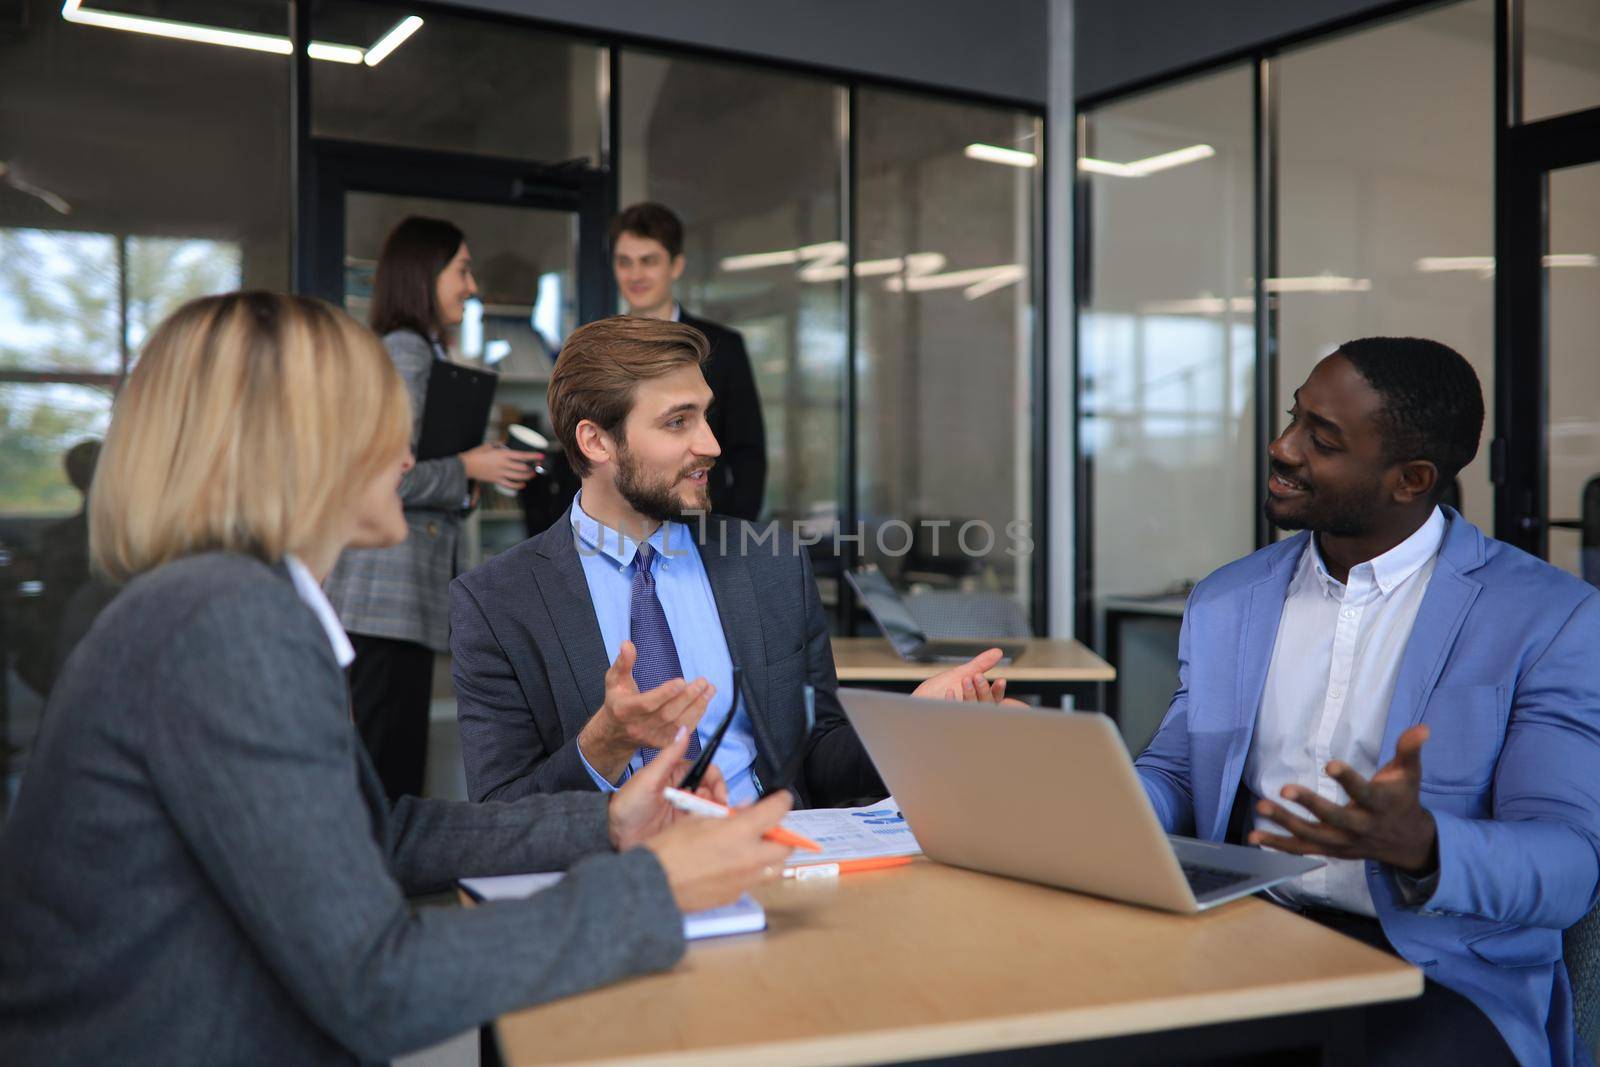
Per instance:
(908,639)
(1049,797)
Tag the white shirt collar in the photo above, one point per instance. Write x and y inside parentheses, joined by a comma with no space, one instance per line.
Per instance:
(311,593)
(1397,564)
(677,312)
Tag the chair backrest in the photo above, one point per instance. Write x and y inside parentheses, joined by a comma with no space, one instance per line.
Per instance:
(1581,946)
(948,613)
(1589,536)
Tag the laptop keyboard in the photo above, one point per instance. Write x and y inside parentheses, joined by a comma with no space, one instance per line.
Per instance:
(1203,880)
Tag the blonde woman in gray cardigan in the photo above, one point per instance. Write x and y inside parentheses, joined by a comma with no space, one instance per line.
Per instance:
(201,866)
(394,601)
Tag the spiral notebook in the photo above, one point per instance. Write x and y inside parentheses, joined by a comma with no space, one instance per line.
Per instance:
(743,916)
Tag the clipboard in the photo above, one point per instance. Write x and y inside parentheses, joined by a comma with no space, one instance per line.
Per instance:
(455,415)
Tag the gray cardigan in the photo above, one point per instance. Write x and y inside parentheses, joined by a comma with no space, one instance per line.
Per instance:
(201,868)
(402,591)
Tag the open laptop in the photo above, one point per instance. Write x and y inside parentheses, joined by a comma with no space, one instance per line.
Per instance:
(1046,796)
(907,638)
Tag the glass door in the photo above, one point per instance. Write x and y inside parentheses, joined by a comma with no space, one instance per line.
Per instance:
(1549,407)
(536,240)
(1572,351)
(525,262)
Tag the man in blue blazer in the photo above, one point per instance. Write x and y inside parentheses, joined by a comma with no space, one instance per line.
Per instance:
(1419,703)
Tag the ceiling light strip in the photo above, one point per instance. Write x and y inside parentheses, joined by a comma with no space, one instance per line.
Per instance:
(1010,157)
(1140,168)
(73,11)
(392,40)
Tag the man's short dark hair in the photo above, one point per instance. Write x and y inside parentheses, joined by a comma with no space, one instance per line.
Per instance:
(650,220)
(1432,401)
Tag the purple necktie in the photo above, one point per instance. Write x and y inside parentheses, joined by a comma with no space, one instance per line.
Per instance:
(657,661)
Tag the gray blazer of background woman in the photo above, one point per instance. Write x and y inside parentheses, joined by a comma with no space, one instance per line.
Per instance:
(403,592)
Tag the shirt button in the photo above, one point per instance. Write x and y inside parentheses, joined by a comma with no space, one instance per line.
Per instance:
(1335,694)
(1349,613)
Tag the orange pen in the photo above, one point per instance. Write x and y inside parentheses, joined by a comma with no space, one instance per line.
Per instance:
(710,809)
(805,871)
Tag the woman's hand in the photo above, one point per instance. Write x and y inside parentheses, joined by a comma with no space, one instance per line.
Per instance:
(710,862)
(639,812)
(500,465)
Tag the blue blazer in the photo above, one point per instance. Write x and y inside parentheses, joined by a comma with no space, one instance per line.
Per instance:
(1503,664)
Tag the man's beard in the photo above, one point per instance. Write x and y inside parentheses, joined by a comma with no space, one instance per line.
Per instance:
(654,498)
(1351,514)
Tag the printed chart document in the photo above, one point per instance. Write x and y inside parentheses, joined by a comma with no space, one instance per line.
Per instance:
(874,832)
(743,916)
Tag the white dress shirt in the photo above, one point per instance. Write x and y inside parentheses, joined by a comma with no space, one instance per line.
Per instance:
(305,584)
(1329,684)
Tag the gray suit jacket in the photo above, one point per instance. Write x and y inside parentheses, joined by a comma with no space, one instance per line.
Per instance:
(201,868)
(529,664)
(400,592)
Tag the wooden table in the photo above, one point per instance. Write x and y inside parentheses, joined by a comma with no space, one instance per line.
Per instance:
(931,961)
(1053,668)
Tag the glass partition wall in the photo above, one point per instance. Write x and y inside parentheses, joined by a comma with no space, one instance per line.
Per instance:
(764,242)
(1354,175)
(177,148)
(136,172)
(1385,192)
(946,205)
(940,259)
(1167,350)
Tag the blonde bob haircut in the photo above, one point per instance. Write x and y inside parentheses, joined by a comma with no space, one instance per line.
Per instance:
(249,425)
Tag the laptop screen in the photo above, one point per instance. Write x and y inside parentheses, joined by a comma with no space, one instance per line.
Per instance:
(888,610)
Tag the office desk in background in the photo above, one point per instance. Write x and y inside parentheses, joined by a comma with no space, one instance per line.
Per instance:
(1141,638)
(1051,668)
(931,961)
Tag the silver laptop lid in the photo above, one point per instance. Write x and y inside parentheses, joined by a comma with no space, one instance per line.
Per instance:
(1046,796)
(888,610)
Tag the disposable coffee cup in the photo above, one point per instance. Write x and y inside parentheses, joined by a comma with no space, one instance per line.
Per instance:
(521,438)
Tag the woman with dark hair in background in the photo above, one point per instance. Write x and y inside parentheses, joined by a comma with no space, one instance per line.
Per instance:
(394,601)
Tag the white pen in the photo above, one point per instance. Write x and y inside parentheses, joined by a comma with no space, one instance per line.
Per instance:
(693,805)
(710,809)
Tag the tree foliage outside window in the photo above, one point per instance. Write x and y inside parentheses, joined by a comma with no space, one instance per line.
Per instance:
(74,309)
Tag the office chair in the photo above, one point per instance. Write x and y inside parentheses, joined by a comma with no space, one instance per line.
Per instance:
(936,551)
(1581,946)
(948,613)
(1589,531)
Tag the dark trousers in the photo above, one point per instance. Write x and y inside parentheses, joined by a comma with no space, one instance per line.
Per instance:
(391,683)
(1441,1026)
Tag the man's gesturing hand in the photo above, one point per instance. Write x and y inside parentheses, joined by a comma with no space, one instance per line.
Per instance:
(1384,819)
(630,719)
(967,681)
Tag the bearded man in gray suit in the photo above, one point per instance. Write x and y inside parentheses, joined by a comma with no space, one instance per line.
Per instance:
(637,575)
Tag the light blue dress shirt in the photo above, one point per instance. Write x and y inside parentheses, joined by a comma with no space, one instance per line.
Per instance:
(685,593)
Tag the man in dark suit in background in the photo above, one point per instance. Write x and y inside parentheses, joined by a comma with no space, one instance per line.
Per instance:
(636,575)
(647,258)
